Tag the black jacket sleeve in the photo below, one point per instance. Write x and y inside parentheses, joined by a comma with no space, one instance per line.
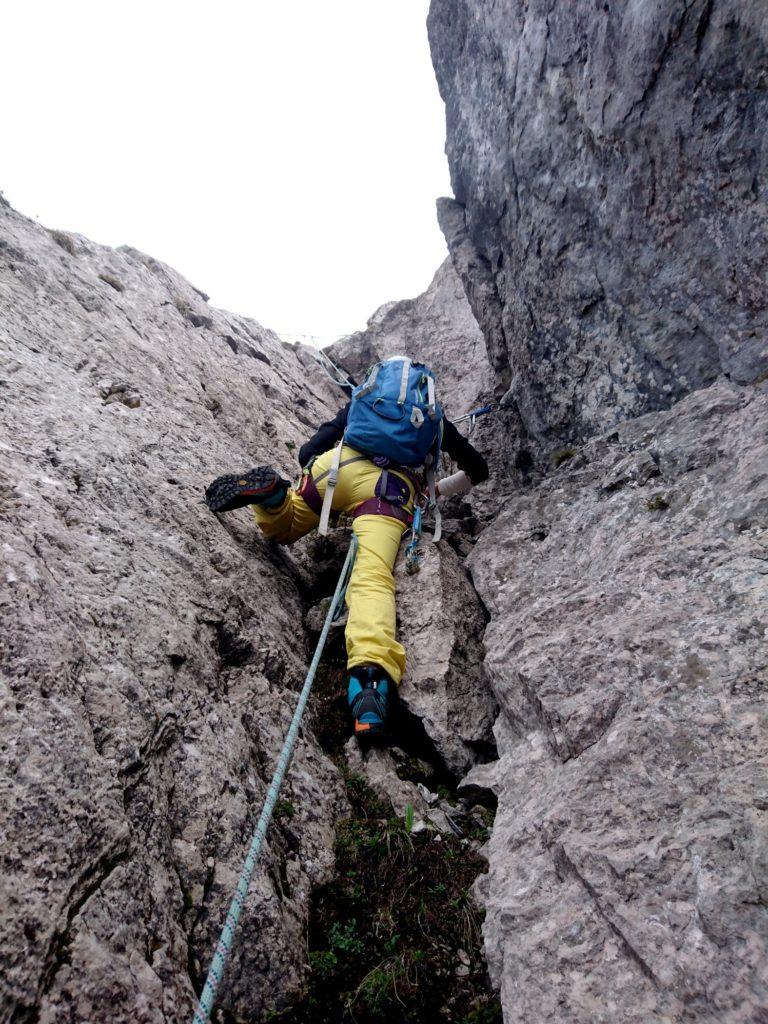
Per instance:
(325,437)
(464,454)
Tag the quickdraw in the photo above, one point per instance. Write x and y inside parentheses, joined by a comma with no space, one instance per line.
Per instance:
(472,417)
(414,553)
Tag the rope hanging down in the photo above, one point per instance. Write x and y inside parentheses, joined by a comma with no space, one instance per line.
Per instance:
(334,372)
(216,970)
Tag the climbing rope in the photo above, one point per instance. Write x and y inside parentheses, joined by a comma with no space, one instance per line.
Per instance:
(216,970)
(334,372)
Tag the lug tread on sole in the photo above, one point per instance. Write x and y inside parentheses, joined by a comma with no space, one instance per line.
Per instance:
(221,493)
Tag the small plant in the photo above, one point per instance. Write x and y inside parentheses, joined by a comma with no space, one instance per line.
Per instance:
(63,239)
(363,799)
(562,455)
(487,1013)
(378,990)
(409,818)
(323,962)
(284,809)
(186,310)
(112,281)
(183,307)
(290,445)
(274,1014)
(344,937)
(354,891)
(657,503)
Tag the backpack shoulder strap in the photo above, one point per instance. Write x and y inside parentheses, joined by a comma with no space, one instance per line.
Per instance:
(404,381)
(431,410)
(370,381)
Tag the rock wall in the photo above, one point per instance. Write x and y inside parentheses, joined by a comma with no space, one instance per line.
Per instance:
(609,227)
(150,653)
(609,224)
(441,623)
(628,596)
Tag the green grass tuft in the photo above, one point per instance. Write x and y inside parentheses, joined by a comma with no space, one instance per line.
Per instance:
(657,503)
(408,817)
(283,809)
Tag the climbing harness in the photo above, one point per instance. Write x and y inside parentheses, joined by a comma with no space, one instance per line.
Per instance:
(224,946)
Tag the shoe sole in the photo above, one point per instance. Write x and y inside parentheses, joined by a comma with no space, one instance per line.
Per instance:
(226,493)
(370,729)
(370,734)
(372,737)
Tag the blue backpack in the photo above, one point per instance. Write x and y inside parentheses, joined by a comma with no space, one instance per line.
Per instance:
(394,413)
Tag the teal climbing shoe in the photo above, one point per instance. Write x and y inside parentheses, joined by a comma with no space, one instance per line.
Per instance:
(261,486)
(371,695)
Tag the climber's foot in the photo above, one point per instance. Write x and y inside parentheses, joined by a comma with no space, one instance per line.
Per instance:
(260,486)
(371,695)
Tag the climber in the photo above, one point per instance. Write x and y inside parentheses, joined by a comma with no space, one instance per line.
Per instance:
(364,462)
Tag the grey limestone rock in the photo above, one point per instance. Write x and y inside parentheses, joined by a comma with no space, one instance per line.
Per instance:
(379,770)
(441,623)
(150,653)
(626,647)
(608,162)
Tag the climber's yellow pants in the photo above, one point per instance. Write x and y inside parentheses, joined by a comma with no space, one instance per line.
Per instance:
(371,627)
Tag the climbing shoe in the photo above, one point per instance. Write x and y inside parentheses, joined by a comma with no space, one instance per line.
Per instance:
(260,486)
(371,695)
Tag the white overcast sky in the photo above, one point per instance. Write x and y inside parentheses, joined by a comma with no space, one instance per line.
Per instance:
(284,156)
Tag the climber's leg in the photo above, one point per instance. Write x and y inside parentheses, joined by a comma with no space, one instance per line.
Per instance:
(292,519)
(299,512)
(371,627)
(376,660)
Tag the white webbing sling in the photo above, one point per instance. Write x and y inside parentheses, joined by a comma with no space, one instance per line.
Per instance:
(404,381)
(330,487)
